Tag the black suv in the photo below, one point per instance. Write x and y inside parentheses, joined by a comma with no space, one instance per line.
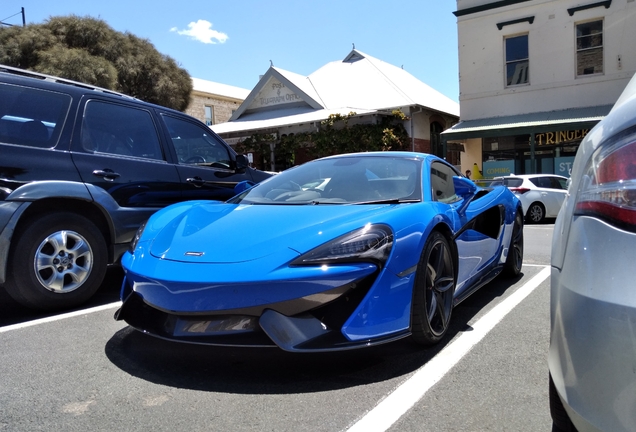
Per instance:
(80,169)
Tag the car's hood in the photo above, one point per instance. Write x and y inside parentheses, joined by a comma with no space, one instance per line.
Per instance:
(228,233)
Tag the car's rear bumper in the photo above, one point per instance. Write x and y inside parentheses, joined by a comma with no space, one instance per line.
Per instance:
(592,356)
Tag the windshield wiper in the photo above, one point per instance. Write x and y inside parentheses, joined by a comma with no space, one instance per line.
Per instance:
(391,201)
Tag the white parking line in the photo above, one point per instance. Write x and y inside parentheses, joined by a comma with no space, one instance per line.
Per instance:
(59,317)
(398,402)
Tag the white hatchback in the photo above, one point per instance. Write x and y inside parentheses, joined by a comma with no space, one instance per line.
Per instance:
(541,195)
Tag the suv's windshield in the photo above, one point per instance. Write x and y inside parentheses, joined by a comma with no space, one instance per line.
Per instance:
(342,180)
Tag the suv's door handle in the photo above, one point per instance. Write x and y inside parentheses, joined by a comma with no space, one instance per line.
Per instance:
(196,181)
(108,174)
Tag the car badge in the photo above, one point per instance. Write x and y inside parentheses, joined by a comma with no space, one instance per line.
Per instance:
(197,254)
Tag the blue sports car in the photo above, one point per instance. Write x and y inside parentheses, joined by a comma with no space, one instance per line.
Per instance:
(339,253)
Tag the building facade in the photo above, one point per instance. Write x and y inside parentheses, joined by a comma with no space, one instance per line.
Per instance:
(360,86)
(214,103)
(535,76)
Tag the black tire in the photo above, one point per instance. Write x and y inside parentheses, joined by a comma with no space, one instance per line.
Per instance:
(536,213)
(560,420)
(514,260)
(433,291)
(58,261)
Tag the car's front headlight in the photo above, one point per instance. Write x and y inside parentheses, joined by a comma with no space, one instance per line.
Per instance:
(135,240)
(370,243)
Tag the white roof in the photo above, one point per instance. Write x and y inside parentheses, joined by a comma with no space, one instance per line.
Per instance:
(368,83)
(219,89)
(279,118)
(359,83)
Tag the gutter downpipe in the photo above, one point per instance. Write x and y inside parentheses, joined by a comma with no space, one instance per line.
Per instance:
(412,120)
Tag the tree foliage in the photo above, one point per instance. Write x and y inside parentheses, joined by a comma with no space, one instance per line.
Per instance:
(335,136)
(88,50)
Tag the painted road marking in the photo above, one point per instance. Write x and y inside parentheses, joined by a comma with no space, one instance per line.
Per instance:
(59,317)
(404,397)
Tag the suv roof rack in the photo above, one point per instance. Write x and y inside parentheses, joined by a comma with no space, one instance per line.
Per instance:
(51,78)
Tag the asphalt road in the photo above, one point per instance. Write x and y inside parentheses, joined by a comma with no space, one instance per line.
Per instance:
(84,371)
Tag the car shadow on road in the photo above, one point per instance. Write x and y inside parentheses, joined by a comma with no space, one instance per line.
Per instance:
(274,371)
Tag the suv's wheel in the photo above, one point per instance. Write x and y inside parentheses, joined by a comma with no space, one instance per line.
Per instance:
(58,261)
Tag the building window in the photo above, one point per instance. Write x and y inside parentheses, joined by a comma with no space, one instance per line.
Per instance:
(517,60)
(589,48)
(209,115)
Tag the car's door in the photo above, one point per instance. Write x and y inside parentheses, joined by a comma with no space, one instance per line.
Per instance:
(116,148)
(206,165)
(478,226)
(552,194)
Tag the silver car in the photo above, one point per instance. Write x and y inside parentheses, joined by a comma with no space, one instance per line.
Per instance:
(592,356)
(541,195)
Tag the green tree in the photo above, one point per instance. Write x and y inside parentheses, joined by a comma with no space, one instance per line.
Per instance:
(88,50)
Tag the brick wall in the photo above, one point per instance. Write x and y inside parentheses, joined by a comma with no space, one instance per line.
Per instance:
(422,145)
(222,108)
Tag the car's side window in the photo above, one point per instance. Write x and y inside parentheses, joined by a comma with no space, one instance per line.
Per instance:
(120,130)
(31,117)
(558,183)
(196,144)
(542,182)
(442,185)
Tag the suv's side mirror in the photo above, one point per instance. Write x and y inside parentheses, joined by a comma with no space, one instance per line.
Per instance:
(241,163)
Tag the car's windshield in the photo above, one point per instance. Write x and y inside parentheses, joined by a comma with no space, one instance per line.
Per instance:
(343,180)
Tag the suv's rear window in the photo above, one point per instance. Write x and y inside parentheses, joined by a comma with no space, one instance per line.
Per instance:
(507,181)
(31,117)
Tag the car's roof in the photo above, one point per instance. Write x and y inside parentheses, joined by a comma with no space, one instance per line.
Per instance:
(527,176)
(388,154)
(29,78)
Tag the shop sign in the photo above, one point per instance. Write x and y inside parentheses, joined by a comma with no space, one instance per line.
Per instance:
(492,169)
(233,141)
(274,93)
(552,138)
(563,165)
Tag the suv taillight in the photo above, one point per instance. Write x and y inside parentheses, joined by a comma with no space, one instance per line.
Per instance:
(608,187)
(519,190)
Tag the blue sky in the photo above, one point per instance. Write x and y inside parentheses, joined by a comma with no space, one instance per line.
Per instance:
(233,41)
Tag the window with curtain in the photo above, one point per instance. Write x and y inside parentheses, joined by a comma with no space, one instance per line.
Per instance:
(517,60)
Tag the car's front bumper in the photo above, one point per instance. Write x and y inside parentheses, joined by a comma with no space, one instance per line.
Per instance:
(10,212)
(310,323)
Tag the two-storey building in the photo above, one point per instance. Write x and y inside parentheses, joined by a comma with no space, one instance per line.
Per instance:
(535,76)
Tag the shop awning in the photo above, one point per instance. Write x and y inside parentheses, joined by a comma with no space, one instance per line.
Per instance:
(574,118)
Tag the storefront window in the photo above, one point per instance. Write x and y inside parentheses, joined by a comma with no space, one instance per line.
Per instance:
(553,153)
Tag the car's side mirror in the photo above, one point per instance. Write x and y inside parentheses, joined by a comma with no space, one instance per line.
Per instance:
(241,163)
(464,187)
(243,186)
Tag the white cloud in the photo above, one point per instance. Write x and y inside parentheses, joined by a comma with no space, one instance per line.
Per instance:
(202,31)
